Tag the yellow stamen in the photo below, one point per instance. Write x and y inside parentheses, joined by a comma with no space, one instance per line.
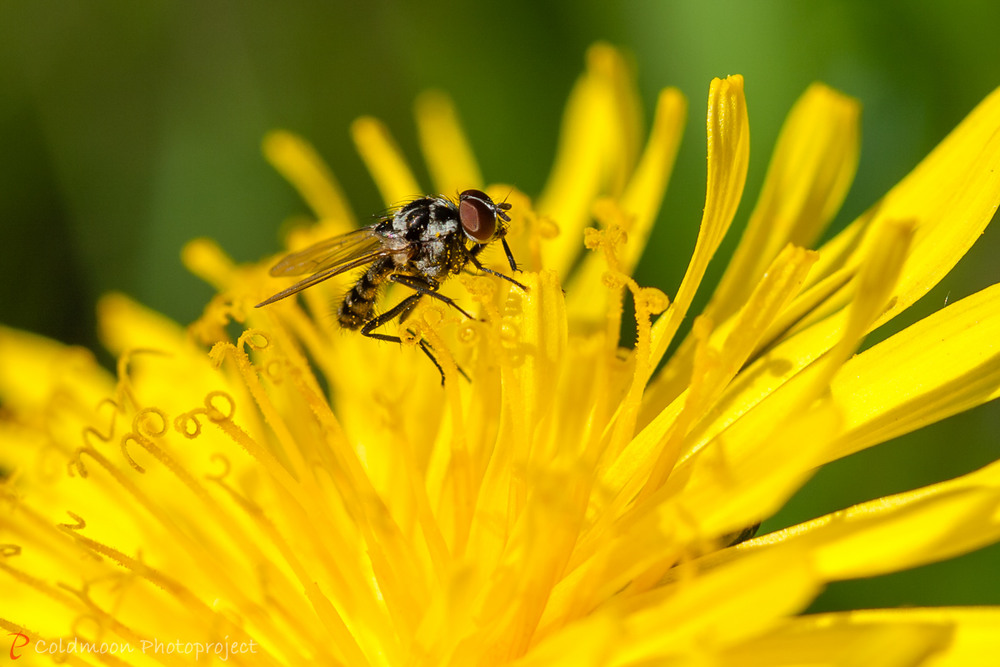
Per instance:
(639,206)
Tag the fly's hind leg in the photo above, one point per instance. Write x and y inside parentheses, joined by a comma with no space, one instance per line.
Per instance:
(401,310)
(428,350)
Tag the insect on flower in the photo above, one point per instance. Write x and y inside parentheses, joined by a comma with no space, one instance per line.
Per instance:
(417,245)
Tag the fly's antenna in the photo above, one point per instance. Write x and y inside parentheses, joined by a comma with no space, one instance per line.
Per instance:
(503,207)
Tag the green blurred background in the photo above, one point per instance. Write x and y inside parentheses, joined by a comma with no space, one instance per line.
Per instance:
(129,128)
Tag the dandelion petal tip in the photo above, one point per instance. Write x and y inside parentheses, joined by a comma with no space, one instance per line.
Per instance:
(278,141)
(205,259)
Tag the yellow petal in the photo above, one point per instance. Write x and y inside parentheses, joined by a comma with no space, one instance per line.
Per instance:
(973,630)
(597,148)
(535,554)
(904,530)
(734,487)
(153,346)
(126,325)
(539,327)
(876,281)
(627,471)
(955,636)
(728,157)
(951,197)
(790,376)
(942,365)
(55,398)
(33,369)
(205,259)
(533,337)
(872,638)
(384,160)
(811,169)
(711,376)
(298,162)
(729,604)
(644,193)
(444,145)
(816,321)
(688,609)
(586,643)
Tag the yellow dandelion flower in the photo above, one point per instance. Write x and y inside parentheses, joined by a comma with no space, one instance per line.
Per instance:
(302,495)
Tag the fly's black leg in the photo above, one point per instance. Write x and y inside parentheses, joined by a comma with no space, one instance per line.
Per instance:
(401,310)
(479,265)
(474,253)
(404,306)
(405,315)
(430,355)
(426,347)
(510,255)
(426,288)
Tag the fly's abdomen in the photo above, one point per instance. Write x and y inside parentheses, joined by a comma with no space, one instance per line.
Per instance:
(359,302)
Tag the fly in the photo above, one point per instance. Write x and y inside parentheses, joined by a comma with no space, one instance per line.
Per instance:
(417,245)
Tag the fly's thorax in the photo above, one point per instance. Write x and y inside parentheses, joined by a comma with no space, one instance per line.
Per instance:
(428,235)
(425,219)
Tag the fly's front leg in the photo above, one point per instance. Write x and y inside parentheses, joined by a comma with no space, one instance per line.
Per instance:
(479,266)
(474,255)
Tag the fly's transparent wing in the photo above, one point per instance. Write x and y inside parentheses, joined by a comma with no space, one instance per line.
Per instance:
(329,253)
(327,259)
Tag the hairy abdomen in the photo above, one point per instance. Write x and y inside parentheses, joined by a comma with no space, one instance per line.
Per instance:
(359,302)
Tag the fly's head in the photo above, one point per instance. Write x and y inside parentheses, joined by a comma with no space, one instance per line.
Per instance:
(482,219)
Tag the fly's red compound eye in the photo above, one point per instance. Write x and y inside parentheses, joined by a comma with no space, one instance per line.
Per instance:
(478,214)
